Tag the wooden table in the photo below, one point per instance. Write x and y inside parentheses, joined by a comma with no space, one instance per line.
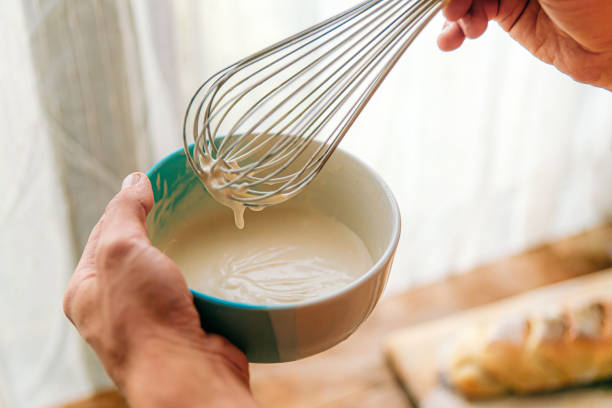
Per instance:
(354,373)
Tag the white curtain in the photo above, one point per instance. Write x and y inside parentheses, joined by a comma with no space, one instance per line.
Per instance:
(487,150)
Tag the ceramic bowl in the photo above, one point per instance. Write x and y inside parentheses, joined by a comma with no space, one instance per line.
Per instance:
(347,190)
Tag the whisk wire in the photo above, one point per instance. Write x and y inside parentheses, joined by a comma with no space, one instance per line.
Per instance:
(283,143)
(282,46)
(312,86)
(275,151)
(290,80)
(318,159)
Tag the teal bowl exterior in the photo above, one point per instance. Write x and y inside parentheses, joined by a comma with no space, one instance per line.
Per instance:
(275,333)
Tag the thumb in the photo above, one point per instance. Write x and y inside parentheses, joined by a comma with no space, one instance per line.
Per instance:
(136,189)
(124,222)
(132,204)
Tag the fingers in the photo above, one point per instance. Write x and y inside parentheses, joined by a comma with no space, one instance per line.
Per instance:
(457,9)
(474,23)
(491,8)
(451,36)
(127,211)
(124,225)
(466,19)
(138,190)
(222,347)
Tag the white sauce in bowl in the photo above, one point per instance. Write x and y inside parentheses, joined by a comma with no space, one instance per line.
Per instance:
(285,254)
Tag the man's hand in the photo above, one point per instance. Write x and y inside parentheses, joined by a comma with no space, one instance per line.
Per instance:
(573,35)
(131,303)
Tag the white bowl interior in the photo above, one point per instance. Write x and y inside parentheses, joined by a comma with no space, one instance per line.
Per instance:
(350,192)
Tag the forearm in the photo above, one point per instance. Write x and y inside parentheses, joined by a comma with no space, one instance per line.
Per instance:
(168,376)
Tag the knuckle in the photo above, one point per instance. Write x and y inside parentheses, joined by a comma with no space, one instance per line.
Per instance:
(114,251)
(69,296)
(220,345)
(216,343)
(224,352)
(80,303)
(116,201)
(67,303)
(144,206)
(129,198)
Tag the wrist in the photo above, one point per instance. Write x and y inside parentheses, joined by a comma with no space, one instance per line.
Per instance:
(167,372)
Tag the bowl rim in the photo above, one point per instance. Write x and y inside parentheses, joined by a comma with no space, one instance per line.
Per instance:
(383,259)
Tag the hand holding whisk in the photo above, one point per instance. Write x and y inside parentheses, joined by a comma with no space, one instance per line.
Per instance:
(272,106)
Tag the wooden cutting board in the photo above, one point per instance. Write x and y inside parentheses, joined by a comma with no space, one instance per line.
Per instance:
(413,352)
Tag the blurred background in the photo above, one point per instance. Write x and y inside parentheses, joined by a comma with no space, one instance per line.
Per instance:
(487,150)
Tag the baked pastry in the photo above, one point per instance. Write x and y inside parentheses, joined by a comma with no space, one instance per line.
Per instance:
(542,352)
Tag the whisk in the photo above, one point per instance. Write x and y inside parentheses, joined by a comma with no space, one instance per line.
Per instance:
(284,110)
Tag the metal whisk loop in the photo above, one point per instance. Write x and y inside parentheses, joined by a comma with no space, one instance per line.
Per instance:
(272,105)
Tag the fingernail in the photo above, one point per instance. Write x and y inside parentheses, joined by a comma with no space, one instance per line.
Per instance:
(130,180)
